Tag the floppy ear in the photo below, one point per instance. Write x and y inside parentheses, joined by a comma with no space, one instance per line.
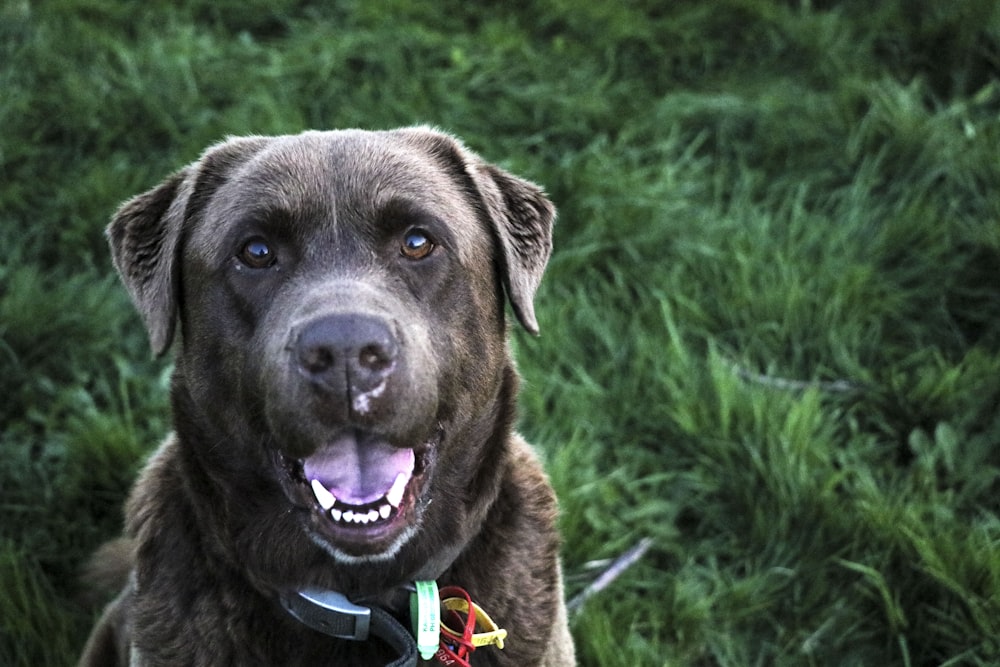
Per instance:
(522,217)
(145,233)
(518,210)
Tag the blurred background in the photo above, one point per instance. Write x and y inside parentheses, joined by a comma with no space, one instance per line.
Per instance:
(770,332)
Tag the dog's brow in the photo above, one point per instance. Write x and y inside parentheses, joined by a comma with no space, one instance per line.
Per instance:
(400,208)
(267,212)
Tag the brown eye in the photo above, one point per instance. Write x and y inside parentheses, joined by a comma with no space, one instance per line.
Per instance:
(257,254)
(416,245)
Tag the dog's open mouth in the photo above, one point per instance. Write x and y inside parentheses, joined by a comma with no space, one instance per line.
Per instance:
(359,483)
(362,489)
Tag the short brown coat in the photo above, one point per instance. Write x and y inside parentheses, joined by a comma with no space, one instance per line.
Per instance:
(213,532)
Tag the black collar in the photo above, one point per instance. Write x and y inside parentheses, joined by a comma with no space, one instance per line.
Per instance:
(333,614)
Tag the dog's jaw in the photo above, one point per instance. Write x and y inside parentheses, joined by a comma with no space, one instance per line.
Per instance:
(386,555)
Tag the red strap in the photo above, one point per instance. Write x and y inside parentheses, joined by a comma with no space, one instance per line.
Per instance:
(456,644)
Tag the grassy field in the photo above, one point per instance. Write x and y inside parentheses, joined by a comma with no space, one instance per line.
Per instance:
(770,331)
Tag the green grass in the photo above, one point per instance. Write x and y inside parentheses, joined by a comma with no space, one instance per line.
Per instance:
(770,329)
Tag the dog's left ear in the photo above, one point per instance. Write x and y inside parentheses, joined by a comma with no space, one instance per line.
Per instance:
(519,212)
(522,217)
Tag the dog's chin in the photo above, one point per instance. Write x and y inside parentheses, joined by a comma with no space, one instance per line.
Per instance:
(366,527)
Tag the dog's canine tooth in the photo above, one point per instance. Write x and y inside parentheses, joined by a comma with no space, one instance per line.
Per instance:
(323,496)
(395,494)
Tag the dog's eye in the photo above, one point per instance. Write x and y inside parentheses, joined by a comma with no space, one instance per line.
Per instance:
(257,254)
(416,244)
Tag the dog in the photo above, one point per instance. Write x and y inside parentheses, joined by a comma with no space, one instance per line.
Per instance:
(343,402)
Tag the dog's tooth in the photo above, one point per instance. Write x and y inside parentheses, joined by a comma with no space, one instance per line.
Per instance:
(348,516)
(361,518)
(336,514)
(372,515)
(395,494)
(325,498)
(385,511)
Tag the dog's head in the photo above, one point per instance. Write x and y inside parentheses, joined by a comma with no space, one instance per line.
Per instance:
(339,300)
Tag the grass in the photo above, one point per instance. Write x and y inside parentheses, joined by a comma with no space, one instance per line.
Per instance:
(770,330)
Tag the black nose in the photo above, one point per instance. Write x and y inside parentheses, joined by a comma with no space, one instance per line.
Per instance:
(346,353)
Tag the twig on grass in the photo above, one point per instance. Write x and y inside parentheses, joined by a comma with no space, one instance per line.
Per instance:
(613,571)
(786,384)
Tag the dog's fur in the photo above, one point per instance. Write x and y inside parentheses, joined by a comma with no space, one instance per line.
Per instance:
(271,261)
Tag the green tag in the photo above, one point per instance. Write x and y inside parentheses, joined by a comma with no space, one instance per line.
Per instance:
(425,613)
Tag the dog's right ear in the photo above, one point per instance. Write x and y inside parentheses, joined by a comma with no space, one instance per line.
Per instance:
(145,233)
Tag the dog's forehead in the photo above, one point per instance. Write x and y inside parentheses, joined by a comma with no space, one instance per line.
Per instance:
(336,179)
(348,169)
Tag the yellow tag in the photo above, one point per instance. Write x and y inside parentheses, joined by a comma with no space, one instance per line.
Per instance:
(494,635)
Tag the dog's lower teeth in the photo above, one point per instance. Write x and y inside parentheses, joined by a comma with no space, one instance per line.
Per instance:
(361,517)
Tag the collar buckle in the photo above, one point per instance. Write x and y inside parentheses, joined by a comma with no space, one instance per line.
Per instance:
(329,612)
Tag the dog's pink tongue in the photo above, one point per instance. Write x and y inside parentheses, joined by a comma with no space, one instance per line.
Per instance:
(358,472)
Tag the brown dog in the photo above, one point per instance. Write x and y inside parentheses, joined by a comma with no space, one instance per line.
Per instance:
(343,404)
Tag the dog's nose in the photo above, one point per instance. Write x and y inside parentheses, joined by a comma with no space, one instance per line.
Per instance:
(347,352)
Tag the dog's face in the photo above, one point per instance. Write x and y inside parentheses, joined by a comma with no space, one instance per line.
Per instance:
(340,301)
